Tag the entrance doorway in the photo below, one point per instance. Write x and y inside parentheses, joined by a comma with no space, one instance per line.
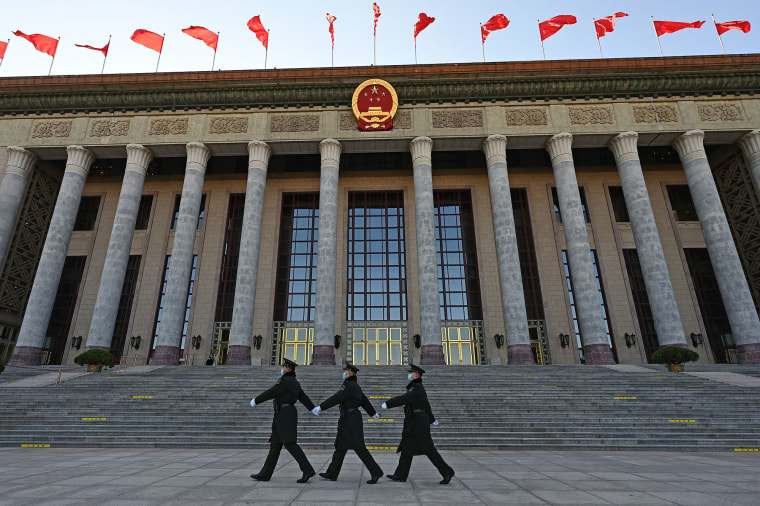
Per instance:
(377,345)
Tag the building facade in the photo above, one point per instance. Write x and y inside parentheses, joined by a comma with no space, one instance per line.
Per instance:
(559,212)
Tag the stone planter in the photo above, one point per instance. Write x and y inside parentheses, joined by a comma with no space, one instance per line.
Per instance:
(675,367)
(94,367)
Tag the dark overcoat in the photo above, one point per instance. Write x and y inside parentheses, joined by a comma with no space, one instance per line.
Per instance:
(350,427)
(285,393)
(415,438)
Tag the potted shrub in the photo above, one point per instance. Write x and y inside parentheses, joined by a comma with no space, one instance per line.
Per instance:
(95,360)
(674,357)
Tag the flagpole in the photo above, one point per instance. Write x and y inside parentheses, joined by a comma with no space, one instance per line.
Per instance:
(482,42)
(719,37)
(374,48)
(658,37)
(266,50)
(214,60)
(159,53)
(542,39)
(53,60)
(415,50)
(598,40)
(105,56)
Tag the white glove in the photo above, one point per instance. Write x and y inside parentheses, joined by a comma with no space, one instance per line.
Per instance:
(316,411)
(376,416)
(435,423)
(253,403)
(384,406)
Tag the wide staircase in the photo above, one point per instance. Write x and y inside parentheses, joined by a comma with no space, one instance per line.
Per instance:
(487,407)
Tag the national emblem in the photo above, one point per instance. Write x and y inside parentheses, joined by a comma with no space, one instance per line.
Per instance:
(374,104)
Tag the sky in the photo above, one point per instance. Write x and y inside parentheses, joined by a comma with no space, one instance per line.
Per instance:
(299,36)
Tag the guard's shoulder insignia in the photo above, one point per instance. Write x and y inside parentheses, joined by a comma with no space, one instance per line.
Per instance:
(343,387)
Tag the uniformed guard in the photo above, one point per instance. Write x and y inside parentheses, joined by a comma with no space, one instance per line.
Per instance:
(415,438)
(285,393)
(350,428)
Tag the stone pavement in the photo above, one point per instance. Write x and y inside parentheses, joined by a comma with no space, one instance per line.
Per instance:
(58,476)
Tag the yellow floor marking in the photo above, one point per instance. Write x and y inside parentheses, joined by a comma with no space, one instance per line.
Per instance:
(747,449)
(694,386)
(230,377)
(93,419)
(35,446)
(381,419)
(213,386)
(530,377)
(142,396)
(379,396)
(80,386)
(682,421)
(382,448)
(630,398)
(112,377)
(549,386)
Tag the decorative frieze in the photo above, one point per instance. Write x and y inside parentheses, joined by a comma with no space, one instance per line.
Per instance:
(347,121)
(651,113)
(228,125)
(721,111)
(403,120)
(591,115)
(295,123)
(457,118)
(173,126)
(527,116)
(109,127)
(48,129)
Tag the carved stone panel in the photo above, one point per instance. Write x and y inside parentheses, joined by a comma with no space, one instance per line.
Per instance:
(109,127)
(527,116)
(721,111)
(294,123)
(591,115)
(228,125)
(48,129)
(347,121)
(457,118)
(660,113)
(403,120)
(173,126)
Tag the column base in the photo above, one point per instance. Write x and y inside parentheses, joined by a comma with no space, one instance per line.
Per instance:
(25,356)
(598,354)
(323,354)
(747,353)
(165,355)
(238,354)
(432,354)
(520,354)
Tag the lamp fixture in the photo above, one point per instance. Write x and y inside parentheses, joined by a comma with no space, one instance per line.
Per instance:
(134,342)
(257,341)
(196,341)
(499,340)
(696,339)
(630,339)
(417,340)
(76,342)
(564,340)
(337,341)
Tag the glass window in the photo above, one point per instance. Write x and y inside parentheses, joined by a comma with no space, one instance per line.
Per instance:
(558,212)
(143,212)
(681,203)
(228,276)
(87,213)
(617,199)
(201,211)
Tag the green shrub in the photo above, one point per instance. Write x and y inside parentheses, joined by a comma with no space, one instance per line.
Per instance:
(95,357)
(674,355)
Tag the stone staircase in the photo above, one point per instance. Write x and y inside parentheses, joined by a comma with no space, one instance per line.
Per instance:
(487,407)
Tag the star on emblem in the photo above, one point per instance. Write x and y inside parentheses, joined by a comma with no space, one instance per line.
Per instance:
(374,90)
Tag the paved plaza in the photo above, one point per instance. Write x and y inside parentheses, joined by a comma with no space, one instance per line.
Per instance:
(147,476)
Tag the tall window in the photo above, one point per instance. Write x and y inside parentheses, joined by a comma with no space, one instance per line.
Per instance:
(87,213)
(143,212)
(63,310)
(681,203)
(228,276)
(296,290)
(376,257)
(160,307)
(125,305)
(201,211)
(534,304)
(459,284)
(619,209)
(641,301)
(558,212)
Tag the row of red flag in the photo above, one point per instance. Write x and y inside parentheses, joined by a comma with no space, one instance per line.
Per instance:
(547,28)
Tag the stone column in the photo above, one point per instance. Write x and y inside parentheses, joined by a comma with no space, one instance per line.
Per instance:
(585,292)
(327,253)
(510,275)
(427,260)
(12,189)
(117,256)
(175,301)
(662,300)
(31,337)
(750,145)
(248,261)
(733,286)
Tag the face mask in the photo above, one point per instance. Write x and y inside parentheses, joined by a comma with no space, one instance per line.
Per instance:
(282,371)
(344,375)
(409,376)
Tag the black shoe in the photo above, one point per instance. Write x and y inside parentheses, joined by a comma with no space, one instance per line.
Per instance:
(259,477)
(306,477)
(446,479)
(326,476)
(374,479)
(395,478)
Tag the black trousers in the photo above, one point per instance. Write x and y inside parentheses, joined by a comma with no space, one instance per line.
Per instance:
(333,470)
(274,454)
(405,464)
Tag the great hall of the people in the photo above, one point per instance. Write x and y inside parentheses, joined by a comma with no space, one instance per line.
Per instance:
(553,212)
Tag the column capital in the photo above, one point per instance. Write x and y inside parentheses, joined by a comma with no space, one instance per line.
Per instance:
(79,160)
(560,147)
(690,146)
(330,150)
(138,158)
(258,155)
(422,150)
(20,161)
(495,148)
(197,156)
(750,145)
(625,147)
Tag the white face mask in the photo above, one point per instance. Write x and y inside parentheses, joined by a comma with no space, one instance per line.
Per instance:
(344,375)
(282,371)
(409,376)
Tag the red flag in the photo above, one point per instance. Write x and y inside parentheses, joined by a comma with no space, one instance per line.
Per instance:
(254,24)
(42,43)
(103,49)
(204,34)
(3,47)
(663,27)
(732,25)
(331,20)
(423,21)
(553,25)
(148,39)
(607,25)
(376,8)
(497,22)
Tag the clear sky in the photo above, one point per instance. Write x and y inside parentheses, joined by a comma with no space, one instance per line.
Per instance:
(299,32)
